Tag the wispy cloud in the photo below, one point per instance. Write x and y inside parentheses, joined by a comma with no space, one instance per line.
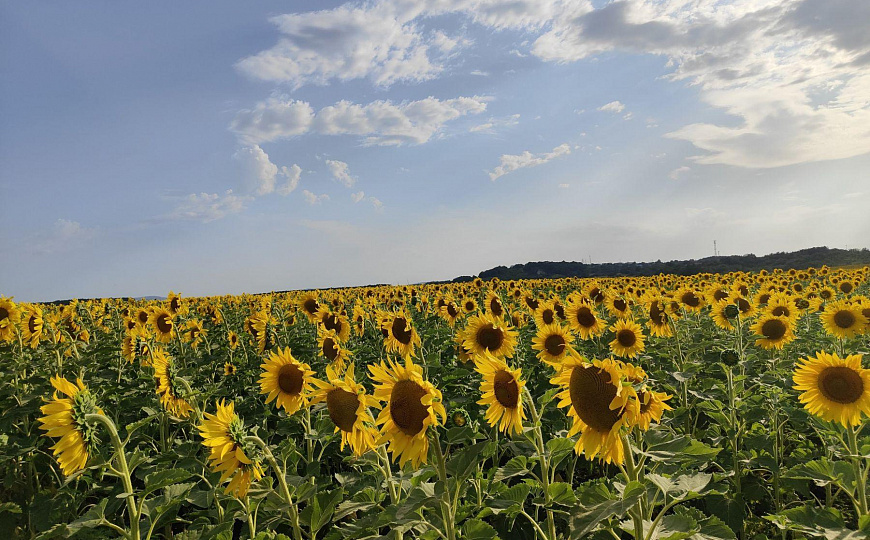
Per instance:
(207,207)
(341,172)
(510,163)
(312,199)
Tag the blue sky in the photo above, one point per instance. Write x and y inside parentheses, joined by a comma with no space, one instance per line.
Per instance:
(225,147)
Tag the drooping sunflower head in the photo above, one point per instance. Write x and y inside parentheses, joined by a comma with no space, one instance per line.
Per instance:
(335,322)
(553,343)
(348,406)
(194,332)
(843,320)
(413,404)
(65,419)
(231,454)
(175,305)
(599,405)
(168,386)
(401,337)
(774,332)
(658,320)
(32,325)
(330,348)
(651,405)
(485,333)
(162,324)
(286,380)
(233,340)
(137,345)
(833,388)
(628,338)
(501,390)
(309,305)
(450,312)
(261,326)
(494,305)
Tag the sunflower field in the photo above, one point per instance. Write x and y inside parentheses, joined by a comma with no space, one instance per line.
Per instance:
(698,407)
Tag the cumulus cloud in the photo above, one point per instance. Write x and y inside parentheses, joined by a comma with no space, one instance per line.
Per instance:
(312,199)
(376,203)
(358,196)
(292,174)
(793,71)
(378,42)
(258,172)
(613,106)
(207,207)
(381,122)
(510,163)
(341,172)
(64,235)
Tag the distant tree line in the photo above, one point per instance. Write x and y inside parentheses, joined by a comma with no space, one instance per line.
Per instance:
(817,256)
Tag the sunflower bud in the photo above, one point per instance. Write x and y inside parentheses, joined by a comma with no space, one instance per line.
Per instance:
(731,311)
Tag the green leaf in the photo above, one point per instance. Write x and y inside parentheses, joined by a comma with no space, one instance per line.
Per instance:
(511,500)
(813,521)
(475,529)
(597,505)
(674,527)
(823,472)
(161,479)
(683,487)
(466,460)
(514,467)
(561,493)
(320,510)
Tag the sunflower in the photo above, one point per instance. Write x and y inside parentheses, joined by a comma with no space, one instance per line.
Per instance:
(32,325)
(689,299)
(359,319)
(843,320)
(194,332)
(401,336)
(335,322)
(65,420)
(161,320)
(229,369)
(469,305)
(722,312)
(628,340)
(659,320)
(286,379)
(486,333)
(175,304)
(233,339)
(553,343)
(309,305)
(224,434)
(775,332)
(583,319)
(617,306)
(164,372)
(329,347)
(651,404)
(348,407)
(136,344)
(545,314)
(494,305)
(412,406)
(449,312)
(599,406)
(502,390)
(261,326)
(9,317)
(835,389)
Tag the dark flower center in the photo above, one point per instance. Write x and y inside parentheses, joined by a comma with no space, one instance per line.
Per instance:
(773,329)
(490,338)
(591,394)
(406,410)
(290,379)
(342,406)
(626,337)
(506,390)
(844,319)
(554,344)
(585,317)
(401,330)
(841,384)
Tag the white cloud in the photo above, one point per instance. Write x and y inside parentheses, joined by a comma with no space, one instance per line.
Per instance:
(64,235)
(510,163)
(358,196)
(258,172)
(493,123)
(271,120)
(379,122)
(313,199)
(292,174)
(376,203)
(613,106)
(378,42)
(207,207)
(794,72)
(341,172)
(679,171)
(564,185)
(479,73)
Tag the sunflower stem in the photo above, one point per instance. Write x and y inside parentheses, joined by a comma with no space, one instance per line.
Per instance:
(545,463)
(860,485)
(282,482)
(132,508)
(446,511)
(632,473)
